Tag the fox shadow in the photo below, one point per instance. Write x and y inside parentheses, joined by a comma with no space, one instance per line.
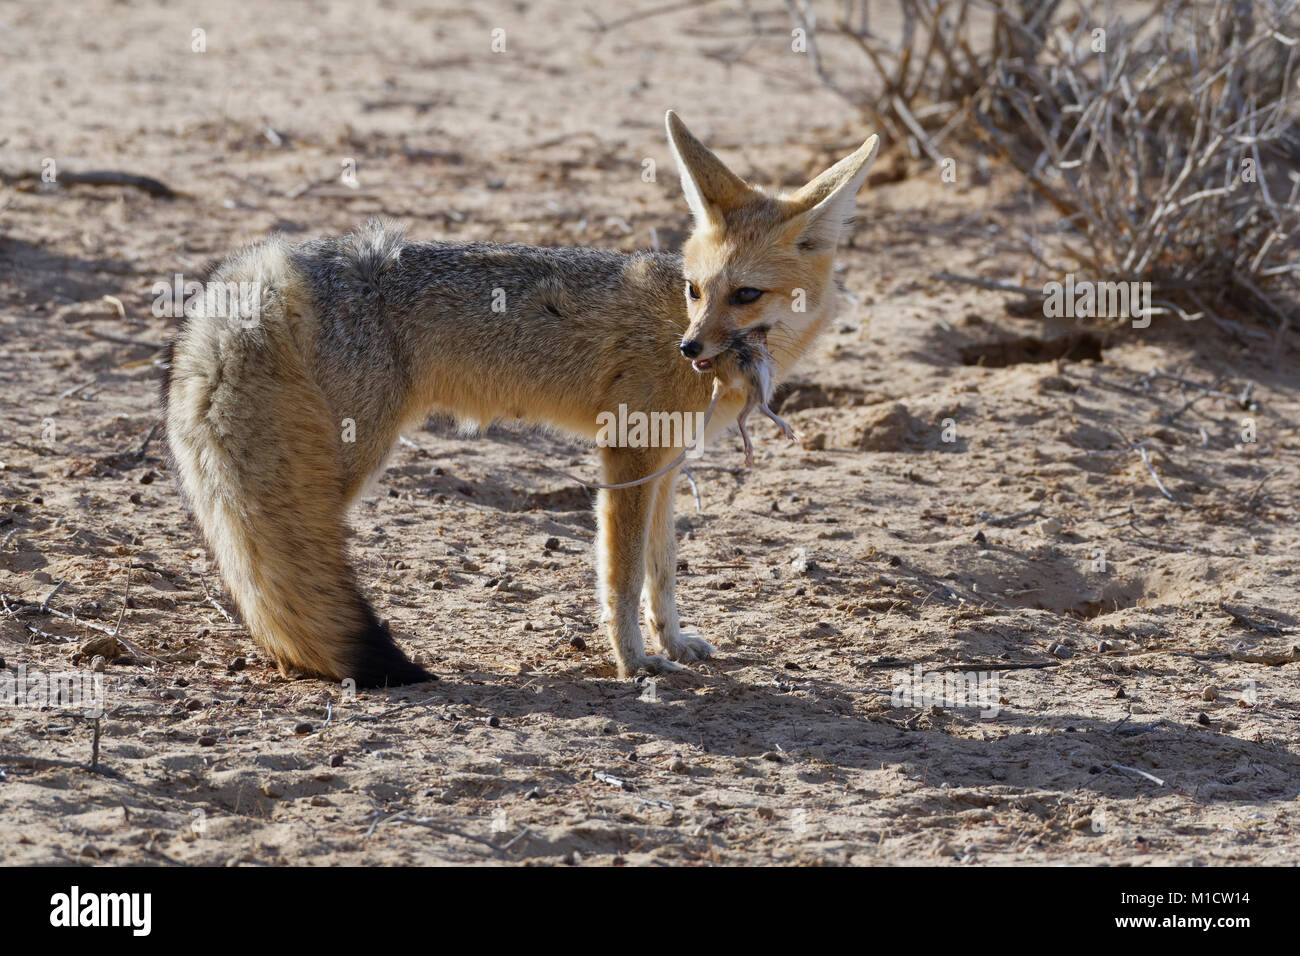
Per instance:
(828,730)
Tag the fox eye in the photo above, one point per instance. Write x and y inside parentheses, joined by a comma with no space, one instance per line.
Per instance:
(745,296)
(693,292)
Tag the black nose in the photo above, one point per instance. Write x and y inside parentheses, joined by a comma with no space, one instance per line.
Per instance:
(692,348)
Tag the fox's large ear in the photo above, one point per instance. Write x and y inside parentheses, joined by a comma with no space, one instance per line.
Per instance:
(711,188)
(824,205)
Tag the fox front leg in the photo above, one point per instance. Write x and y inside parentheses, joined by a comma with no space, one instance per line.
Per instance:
(623,519)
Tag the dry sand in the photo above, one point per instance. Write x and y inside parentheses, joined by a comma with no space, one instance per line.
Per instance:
(1135,723)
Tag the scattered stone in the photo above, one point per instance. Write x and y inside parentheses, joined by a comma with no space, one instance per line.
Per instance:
(1061,651)
(238,664)
(103,645)
(1048,527)
(207,741)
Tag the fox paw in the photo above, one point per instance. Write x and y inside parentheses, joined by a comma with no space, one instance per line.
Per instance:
(690,647)
(651,664)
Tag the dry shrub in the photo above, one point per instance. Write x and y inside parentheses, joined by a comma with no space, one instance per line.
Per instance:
(1167,141)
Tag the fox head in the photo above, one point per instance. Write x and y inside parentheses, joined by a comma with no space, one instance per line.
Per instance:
(758,266)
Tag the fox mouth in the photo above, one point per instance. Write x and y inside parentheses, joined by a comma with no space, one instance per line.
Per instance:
(746,345)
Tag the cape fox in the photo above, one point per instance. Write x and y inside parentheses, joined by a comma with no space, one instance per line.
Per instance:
(275,424)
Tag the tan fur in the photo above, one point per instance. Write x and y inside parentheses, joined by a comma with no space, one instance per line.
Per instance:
(254,414)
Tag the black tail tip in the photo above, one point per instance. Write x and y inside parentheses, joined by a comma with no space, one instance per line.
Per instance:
(379,662)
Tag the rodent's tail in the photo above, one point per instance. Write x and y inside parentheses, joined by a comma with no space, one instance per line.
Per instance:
(256,453)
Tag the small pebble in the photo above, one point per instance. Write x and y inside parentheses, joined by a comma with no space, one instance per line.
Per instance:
(1048,526)
(494,721)
(207,741)
(238,664)
(1061,651)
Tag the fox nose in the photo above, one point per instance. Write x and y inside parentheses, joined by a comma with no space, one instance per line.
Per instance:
(692,348)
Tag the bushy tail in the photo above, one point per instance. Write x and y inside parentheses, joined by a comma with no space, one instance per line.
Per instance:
(257,454)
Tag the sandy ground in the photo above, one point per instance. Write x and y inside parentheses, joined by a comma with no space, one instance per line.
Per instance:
(1135,717)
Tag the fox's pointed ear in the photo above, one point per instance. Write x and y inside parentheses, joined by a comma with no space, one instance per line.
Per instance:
(711,188)
(824,205)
